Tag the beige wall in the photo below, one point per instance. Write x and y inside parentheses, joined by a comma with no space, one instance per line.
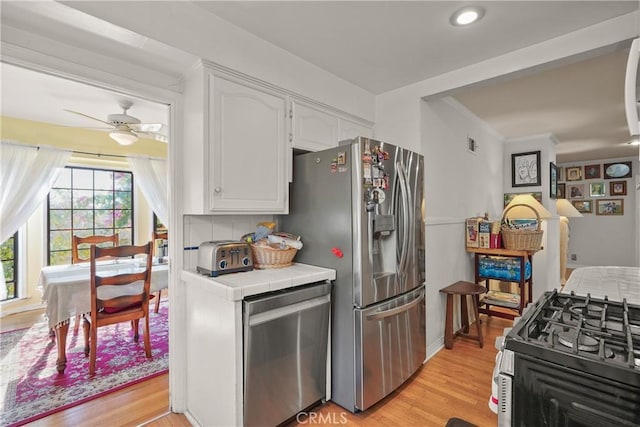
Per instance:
(34,251)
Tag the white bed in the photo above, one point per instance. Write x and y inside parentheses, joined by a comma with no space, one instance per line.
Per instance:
(614,282)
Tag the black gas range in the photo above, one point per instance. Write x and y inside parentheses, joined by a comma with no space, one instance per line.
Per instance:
(572,361)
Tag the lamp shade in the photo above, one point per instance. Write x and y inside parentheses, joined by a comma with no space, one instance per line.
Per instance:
(123,137)
(566,209)
(523,212)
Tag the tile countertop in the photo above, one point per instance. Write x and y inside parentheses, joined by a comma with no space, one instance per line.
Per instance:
(615,283)
(237,286)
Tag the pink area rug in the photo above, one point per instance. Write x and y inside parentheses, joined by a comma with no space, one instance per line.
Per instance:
(31,388)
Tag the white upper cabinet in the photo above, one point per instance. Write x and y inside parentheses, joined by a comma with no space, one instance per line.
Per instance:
(236,156)
(349,129)
(248,148)
(238,138)
(312,129)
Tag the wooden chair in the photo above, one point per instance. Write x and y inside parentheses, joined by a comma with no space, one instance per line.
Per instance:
(76,241)
(156,235)
(90,240)
(107,309)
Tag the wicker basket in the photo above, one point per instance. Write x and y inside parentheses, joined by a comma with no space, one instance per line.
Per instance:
(272,257)
(522,240)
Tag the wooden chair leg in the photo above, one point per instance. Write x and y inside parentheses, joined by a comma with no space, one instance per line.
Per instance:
(86,330)
(158,301)
(147,338)
(93,342)
(136,335)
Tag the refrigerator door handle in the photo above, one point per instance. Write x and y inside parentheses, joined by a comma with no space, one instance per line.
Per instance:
(394,311)
(406,211)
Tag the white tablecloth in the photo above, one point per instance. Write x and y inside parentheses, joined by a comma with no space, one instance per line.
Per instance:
(67,288)
(616,283)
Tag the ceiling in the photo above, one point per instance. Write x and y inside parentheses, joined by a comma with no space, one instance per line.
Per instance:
(45,98)
(376,45)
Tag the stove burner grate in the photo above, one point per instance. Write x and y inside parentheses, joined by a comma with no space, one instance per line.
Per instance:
(584,342)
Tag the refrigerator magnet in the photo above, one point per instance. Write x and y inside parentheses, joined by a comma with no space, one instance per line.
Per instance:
(378,196)
(342,157)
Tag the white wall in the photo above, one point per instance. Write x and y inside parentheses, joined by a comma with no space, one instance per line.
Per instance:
(459,184)
(605,240)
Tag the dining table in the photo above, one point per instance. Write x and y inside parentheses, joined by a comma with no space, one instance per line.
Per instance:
(66,290)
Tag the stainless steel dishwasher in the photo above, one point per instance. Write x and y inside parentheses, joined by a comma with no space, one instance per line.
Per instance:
(285,352)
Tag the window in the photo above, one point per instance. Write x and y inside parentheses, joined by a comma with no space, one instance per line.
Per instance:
(9,259)
(88,202)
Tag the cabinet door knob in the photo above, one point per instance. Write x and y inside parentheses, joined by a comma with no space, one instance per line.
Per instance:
(217,189)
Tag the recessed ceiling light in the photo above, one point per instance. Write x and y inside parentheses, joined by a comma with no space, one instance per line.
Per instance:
(467,15)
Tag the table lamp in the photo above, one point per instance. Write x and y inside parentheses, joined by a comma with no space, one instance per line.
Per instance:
(565,210)
(523,212)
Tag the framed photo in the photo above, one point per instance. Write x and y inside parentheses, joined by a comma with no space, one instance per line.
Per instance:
(610,207)
(508,197)
(618,188)
(553,180)
(617,170)
(597,189)
(525,169)
(574,173)
(592,172)
(562,191)
(576,191)
(583,206)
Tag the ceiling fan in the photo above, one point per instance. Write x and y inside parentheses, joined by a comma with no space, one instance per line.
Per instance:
(126,129)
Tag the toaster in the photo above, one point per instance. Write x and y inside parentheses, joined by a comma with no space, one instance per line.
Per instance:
(224,256)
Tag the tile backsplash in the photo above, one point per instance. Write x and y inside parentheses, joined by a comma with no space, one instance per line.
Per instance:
(203,228)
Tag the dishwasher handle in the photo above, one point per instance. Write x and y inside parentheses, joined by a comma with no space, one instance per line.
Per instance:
(276,313)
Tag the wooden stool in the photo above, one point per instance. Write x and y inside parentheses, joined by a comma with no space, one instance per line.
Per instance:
(463,289)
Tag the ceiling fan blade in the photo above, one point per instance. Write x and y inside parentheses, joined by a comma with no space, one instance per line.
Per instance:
(89,117)
(154,135)
(148,127)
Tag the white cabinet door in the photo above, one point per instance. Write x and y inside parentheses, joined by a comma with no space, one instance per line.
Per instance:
(248,146)
(313,129)
(349,130)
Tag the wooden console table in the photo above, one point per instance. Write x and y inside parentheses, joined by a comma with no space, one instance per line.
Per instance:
(525,285)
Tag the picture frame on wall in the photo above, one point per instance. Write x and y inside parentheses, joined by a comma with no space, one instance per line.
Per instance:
(592,172)
(553,180)
(562,191)
(617,170)
(618,188)
(583,206)
(597,189)
(525,169)
(576,191)
(573,173)
(610,207)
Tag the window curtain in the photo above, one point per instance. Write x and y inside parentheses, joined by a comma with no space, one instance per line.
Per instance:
(151,176)
(26,175)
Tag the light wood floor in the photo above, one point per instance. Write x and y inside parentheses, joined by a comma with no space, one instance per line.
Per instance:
(454,383)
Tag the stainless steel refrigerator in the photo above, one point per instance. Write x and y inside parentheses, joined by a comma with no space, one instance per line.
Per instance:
(360,210)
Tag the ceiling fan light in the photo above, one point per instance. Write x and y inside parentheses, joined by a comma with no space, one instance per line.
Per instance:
(123,137)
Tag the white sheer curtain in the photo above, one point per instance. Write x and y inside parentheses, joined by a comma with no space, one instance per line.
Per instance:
(151,176)
(26,176)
